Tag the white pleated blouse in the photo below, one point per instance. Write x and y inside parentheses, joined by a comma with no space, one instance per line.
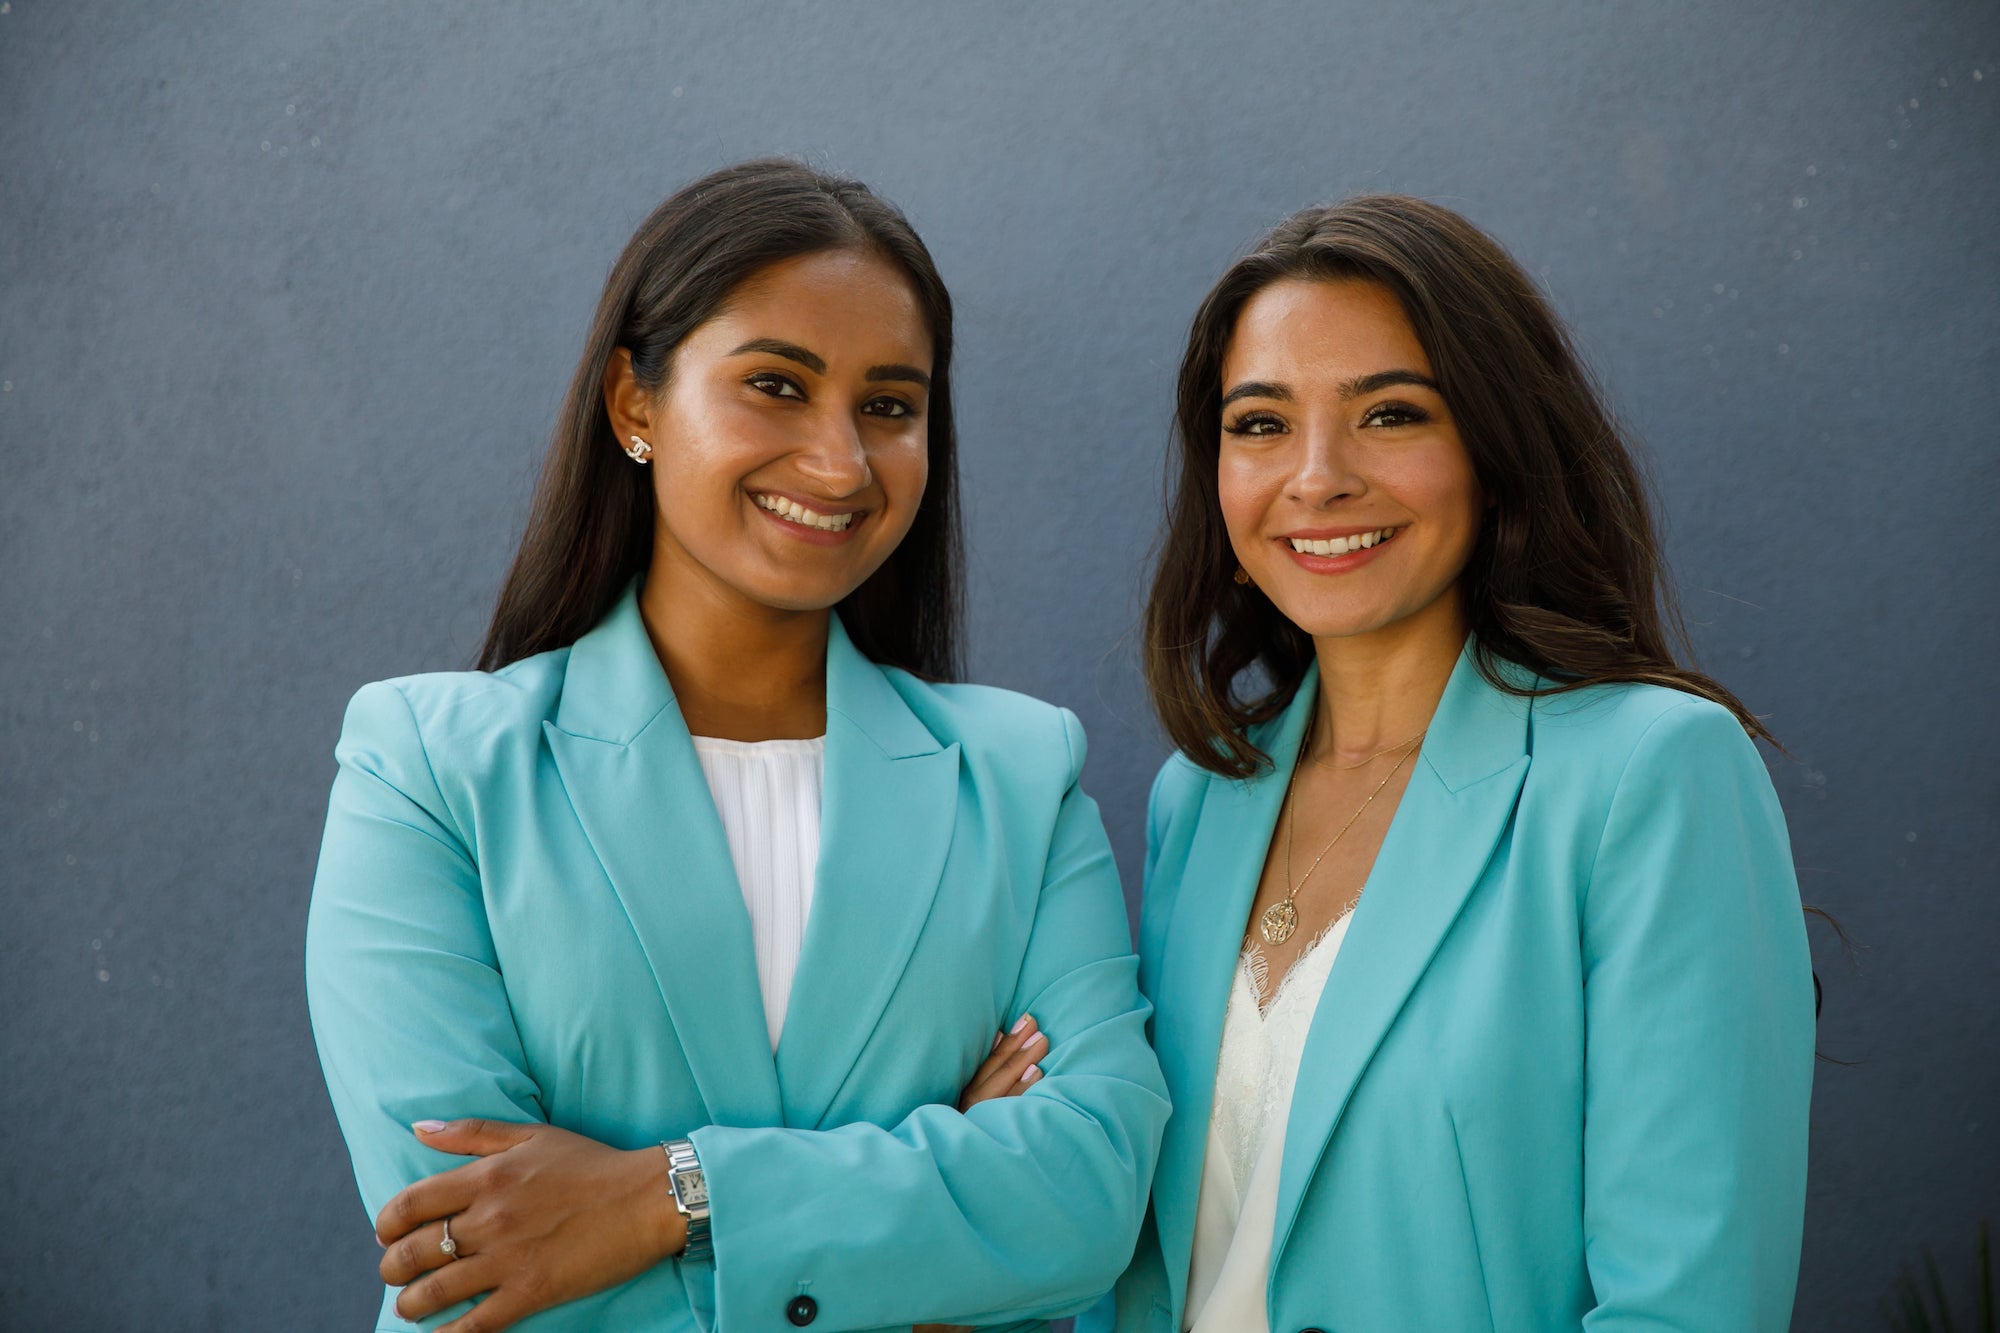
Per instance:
(768,795)
(1237,1210)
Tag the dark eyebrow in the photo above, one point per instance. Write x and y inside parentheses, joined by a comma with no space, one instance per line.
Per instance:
(1354,388)
(812,361)
(1383,379)
(789,351)
(898,372)
(1257,389)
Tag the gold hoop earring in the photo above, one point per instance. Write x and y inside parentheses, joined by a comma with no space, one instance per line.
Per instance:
(640,452)
(1242,576)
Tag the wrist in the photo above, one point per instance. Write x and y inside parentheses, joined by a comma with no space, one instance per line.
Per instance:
(688,1184)
(663,1222)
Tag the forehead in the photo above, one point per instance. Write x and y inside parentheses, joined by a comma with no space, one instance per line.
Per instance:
(832,302)
(1301,327)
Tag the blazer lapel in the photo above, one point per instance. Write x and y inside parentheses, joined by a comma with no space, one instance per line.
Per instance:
(1217,885)
(637,787)
(1458,803)
(889,803)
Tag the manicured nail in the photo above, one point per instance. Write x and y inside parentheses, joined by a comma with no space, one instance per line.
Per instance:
(428,1126)
(1031,1073)
(998,1037)
(1019,1023)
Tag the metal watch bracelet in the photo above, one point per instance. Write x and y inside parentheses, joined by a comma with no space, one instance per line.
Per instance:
(690,1188)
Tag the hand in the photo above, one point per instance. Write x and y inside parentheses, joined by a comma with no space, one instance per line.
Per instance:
(1009,1068)
(545,1216)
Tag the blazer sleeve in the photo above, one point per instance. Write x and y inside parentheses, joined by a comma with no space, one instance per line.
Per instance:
(1023,1208)
(407,1005)
(1698,1004)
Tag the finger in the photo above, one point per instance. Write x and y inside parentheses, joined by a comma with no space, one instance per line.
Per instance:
(442,1288)
(1006,1078)
(1024,1031)
(429,1200)
(472,1138)
(418,1253)
(503,1309)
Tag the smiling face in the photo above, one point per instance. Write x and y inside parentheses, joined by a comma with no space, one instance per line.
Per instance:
(1348,496)
(790,441)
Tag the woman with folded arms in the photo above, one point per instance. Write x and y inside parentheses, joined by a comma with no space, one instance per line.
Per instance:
(687,917)
(1478,966)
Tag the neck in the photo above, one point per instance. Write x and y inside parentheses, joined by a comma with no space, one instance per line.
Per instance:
(740,670)
(1380,688)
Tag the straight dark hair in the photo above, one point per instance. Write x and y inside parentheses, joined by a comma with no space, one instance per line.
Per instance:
(590,530)
(1565,578)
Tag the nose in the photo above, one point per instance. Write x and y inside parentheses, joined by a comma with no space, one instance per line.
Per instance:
(835,458)
(1324,470)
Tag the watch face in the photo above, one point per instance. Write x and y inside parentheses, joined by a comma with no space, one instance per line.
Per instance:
(692,1187)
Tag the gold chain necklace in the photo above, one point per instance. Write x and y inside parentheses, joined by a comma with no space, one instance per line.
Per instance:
(1280,919)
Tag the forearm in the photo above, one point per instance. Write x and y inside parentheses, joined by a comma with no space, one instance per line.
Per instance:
(1025,1207)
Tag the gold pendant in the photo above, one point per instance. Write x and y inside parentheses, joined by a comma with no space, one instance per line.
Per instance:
(1280,919)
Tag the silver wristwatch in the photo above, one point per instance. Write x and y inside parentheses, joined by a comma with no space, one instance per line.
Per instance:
(690,1189)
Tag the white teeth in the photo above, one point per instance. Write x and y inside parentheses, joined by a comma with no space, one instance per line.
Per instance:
(1341,545)
(798,513)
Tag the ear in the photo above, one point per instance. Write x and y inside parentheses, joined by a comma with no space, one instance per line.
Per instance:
(626,401)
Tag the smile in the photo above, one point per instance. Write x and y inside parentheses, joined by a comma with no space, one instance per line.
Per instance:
(1360,541)
(798,513)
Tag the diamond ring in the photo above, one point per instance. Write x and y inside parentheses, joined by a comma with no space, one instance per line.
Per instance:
(448,1245)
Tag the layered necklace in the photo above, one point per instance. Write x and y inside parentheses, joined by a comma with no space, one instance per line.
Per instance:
(1281,919)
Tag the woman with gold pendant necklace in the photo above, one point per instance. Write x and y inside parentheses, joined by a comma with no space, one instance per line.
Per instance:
(1478,965)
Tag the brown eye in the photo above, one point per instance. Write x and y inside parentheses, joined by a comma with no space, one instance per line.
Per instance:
(887,407)
(1256,424)
(1394,414)
(777,386)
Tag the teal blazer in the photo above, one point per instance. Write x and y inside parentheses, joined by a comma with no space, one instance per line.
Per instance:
(526,910)
(1558,1077)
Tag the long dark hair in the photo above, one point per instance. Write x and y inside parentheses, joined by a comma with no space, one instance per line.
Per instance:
(1565,578)
(590,530)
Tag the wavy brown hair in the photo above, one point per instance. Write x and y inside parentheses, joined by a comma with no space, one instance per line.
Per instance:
(1565,577)
(590,530)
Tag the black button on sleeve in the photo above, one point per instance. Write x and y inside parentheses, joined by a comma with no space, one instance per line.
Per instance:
(802,1311)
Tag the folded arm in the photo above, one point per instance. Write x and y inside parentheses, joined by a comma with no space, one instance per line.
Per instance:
(1022,1207)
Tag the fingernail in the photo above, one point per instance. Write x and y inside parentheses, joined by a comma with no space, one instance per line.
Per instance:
(1031,1073)
(428,1126)
(1019,1023)
(383,1243)
(998,1037)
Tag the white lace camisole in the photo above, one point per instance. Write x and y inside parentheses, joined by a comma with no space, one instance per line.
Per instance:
(1238,1206)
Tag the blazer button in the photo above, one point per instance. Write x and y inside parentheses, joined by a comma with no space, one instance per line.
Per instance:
(802,1310)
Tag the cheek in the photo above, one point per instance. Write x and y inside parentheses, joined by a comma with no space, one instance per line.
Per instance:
(1244,491)
(903,467)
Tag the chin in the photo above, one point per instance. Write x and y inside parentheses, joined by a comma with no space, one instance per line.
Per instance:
(1339,622)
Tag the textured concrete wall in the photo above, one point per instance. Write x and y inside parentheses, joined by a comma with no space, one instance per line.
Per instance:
(291,292)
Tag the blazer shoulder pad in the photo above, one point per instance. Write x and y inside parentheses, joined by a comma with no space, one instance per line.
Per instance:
(460,720)
(995,728)
(1601,727)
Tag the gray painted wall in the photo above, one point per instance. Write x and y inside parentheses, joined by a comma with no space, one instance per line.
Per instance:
(291,294)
